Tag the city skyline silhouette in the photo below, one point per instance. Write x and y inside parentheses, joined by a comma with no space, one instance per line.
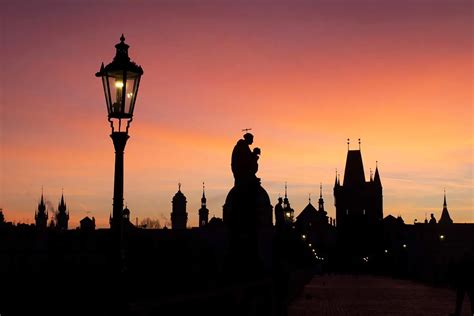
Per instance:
(286,158)
(399,86)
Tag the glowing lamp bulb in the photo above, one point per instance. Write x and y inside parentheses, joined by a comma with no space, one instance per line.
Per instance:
(119,84)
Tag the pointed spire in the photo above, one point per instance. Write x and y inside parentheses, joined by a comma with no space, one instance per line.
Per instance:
(309,198)
(321,200)
(445,218)
(179,186)
(286,202)
(371,175)
(377,175)
(203,199)
(444,203)
(348,143)
(122,38)
(62,197)
(62,204)
(359,143)
(335,181)
(42,202)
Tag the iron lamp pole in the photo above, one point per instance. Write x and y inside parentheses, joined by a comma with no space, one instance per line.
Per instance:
(120,80)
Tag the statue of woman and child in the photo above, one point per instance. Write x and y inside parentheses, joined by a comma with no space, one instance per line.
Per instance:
(245,162)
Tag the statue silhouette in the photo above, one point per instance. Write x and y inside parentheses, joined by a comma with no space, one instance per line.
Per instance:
(279,214)
(432,219)
(247,213)
(244,162)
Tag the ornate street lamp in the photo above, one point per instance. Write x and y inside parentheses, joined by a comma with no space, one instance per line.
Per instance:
(120,80)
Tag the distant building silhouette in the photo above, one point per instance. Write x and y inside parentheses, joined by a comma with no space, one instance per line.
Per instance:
(62,217)
(41,215)
(87,224)
(314,225)
(179,216)
(359,208)
(310,216)
(203,211)
(445,218)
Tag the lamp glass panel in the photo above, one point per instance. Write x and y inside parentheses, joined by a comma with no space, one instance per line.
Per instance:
(130,93)
(116,85)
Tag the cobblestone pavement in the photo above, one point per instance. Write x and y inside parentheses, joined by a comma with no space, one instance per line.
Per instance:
(369,295)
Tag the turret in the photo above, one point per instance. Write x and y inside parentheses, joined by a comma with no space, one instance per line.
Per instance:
(321,201)
(203,211)
(62,217)
(41,215)
(179,216)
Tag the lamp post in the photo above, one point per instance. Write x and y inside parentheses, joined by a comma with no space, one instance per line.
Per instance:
(120,80)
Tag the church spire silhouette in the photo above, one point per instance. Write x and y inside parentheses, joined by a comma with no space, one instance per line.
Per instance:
(62,217)
(203,211)
(321,200)
(445,218)
(286,201)
(377,175)
(41,215)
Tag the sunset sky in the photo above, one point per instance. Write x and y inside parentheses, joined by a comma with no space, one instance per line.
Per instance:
(304,75)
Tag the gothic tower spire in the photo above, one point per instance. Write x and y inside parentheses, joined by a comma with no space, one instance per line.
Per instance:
(41,215)
(377,175)
(321,200)
(445,205)
(62,217)
(445,218)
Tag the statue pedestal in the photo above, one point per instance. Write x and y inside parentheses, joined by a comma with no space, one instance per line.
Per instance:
(248,215)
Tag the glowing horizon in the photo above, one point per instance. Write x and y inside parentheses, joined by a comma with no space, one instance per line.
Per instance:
(304,76)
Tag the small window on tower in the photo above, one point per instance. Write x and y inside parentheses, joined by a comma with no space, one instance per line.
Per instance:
(347,212)
(363,212)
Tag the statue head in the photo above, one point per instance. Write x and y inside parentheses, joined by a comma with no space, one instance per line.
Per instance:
(248,138)
(280,200)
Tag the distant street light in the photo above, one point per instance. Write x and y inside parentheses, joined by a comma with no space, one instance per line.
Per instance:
(120,80)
